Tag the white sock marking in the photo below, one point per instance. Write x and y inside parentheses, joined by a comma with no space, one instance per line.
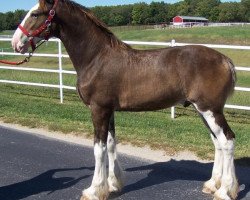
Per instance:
(100,175)
(115,171)
(99,187)
(227,147)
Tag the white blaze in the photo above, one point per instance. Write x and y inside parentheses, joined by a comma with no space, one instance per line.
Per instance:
(18,40)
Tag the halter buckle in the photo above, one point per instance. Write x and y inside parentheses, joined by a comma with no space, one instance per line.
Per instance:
(47,23)
(52,13)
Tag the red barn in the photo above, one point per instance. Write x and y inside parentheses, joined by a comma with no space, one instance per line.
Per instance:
(186,20)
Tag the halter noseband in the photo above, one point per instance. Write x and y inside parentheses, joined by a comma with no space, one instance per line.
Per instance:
(46,26)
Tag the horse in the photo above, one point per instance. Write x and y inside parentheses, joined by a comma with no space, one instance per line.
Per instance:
(112,76)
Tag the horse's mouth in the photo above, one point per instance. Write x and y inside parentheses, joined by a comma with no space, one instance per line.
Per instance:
(21,48)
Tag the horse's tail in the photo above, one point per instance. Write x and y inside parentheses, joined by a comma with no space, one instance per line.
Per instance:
(233,74)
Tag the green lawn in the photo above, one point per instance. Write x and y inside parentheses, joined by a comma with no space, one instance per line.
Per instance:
(40,107)
(206,35)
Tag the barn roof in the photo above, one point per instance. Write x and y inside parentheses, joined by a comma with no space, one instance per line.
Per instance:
(193,18)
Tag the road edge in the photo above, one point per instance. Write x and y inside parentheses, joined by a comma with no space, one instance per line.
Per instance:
(144,153)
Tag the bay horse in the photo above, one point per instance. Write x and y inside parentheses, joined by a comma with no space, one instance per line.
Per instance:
(112,76)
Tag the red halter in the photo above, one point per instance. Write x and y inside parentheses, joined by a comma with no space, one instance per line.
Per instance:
(35,33)
(45,26)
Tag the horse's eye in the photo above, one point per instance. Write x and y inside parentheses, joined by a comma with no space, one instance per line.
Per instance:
(34,15)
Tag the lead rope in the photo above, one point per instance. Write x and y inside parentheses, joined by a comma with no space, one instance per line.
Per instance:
(25,60)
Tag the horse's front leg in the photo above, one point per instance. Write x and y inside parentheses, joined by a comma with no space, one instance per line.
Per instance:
(99,189)
(115,178)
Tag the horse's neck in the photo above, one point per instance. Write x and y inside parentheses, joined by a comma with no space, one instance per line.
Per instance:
(80,39)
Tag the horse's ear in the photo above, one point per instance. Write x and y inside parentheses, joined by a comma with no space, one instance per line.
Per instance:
(50,1)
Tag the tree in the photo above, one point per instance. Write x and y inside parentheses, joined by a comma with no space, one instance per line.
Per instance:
(172,11)
(18,17)
(205,8)
(245,10)
(114,15)
(229,12)
(3,24)
(102,13)
(10,20)
(192,6)
(214,14)
(158,12)
(183,8)
(140,13)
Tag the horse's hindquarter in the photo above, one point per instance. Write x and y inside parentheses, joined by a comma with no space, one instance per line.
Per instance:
(205,74)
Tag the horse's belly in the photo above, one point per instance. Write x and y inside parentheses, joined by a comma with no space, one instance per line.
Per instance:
(138,102)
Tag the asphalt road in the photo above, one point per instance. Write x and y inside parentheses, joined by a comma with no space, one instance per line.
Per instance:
(35,167)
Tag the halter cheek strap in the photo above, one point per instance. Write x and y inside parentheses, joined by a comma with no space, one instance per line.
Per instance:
(30,39)
(24,30)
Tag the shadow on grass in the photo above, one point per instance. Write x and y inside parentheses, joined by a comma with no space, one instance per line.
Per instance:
(45,182)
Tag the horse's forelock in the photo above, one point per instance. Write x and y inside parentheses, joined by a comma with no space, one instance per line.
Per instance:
(42,5)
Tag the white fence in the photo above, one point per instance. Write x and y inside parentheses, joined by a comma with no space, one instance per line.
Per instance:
(60,70)
(200,24)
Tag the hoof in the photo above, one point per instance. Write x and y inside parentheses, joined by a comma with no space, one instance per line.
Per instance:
(206,190)
(84,198)
(95,193)
(219,196)
(114,184)
(209,187)
(233,193)
(230,195)
(87,198)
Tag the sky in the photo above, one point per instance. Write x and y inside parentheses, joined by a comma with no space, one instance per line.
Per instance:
(13,5)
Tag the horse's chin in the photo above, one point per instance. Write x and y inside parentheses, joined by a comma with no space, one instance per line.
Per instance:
(22,48)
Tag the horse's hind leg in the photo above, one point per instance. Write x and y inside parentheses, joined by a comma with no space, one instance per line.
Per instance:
(115,178)
(223,139)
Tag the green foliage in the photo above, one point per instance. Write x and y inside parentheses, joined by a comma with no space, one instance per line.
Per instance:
(245,9)
(140,13)
(10,20)
(229,12)
(114,15)
(161,12)
(207,8)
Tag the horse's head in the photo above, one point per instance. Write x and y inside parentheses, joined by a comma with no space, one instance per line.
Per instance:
(36,26)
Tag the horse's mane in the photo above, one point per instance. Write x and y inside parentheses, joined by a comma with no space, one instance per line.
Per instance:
(74,7)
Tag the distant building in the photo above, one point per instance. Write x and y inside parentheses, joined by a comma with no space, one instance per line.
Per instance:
(189,21)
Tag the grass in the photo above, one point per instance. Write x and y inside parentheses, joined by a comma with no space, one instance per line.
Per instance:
(210,35)
(40,107)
